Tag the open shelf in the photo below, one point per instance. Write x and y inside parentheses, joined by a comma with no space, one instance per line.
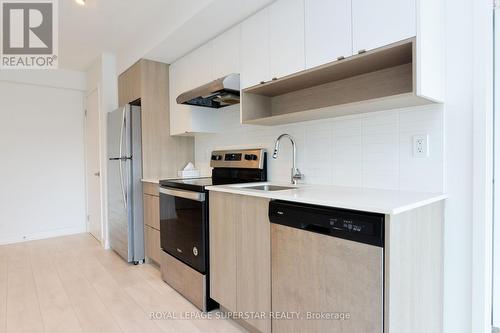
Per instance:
(380,79)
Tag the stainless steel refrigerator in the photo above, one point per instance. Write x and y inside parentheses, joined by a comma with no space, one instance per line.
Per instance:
(125,220)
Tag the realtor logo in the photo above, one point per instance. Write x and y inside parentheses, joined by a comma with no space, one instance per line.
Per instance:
(29,34)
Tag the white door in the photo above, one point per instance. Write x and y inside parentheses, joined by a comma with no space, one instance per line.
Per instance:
(92,167)
(328,31)
(382,22)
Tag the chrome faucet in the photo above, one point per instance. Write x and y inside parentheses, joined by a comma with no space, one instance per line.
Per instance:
(295,174)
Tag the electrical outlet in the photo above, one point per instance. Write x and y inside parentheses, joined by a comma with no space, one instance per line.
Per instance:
(421,146)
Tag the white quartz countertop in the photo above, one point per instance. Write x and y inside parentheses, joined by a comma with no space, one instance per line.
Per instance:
(369,200)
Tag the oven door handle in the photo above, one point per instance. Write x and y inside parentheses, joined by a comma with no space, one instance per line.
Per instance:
(197,196)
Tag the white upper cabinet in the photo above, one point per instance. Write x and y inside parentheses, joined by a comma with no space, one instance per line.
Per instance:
(382,22)
(328,31)
(255,49)
(200,66)
(226,53)
(180,121)
(212,60)
(286,37)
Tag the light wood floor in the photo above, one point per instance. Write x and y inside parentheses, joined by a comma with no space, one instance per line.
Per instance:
(70,284)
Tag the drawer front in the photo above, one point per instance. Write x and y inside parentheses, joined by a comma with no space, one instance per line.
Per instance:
(150,188)
(152,244)
(152,211)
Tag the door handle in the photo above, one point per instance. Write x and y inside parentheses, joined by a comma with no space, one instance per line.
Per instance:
(97,174)
(124,193)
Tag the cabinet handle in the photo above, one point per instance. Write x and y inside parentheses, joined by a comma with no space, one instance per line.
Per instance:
(361,51)
(341,58)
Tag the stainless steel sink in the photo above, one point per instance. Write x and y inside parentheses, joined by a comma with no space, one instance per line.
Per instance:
(270,188)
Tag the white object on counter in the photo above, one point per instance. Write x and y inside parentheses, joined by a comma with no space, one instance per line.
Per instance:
(188,171)
(389,202)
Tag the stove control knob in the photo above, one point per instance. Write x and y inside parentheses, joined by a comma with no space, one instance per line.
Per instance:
(250,157)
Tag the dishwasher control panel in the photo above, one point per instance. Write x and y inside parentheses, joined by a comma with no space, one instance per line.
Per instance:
(363,227)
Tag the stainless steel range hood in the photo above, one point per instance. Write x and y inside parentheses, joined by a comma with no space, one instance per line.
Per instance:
(216,94)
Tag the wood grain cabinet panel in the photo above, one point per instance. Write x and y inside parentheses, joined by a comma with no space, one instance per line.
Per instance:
(223,214)
(253,273)
(152,211)
(129,85)
(152,244)
(240,255)
(151,189)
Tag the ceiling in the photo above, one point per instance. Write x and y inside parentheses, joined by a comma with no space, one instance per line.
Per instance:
(162,30)
(113,25)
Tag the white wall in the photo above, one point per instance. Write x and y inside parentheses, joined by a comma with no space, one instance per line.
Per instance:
(42,154)
(371,150)
(458,138)
(102,76)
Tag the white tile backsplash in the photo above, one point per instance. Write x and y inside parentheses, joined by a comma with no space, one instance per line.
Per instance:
(370,150)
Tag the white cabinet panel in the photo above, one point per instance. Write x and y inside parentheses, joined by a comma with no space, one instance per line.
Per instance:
(255,49)
(180,121)
(199,69)
(226,53)
(382,22)
(328,32)
(286,37)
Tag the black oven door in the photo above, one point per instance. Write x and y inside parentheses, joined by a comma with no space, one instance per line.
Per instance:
(183,226)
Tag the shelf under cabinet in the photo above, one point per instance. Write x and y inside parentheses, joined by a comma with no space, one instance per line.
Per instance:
(377,80)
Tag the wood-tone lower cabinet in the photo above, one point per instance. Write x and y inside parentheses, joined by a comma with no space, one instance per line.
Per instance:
(253,255)
(152,211)
(240,255)
(152,244)
(223,217)
(151,205)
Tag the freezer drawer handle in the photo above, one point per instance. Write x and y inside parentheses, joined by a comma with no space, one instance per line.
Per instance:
(197,196)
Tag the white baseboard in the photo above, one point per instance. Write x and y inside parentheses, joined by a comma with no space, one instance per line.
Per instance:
(11,239)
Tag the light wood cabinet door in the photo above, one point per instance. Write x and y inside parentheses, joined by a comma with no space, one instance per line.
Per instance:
(152,245)
(286,37)
(129,84)
(253,275)
(379,23)
(224,212)
(328,31)
(152,211)
(151,188)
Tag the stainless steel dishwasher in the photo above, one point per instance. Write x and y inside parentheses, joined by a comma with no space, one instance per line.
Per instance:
(327,269)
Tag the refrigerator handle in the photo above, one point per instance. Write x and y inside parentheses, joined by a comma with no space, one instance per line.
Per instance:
(122,129)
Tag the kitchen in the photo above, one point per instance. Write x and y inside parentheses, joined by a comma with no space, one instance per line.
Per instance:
(291,156)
